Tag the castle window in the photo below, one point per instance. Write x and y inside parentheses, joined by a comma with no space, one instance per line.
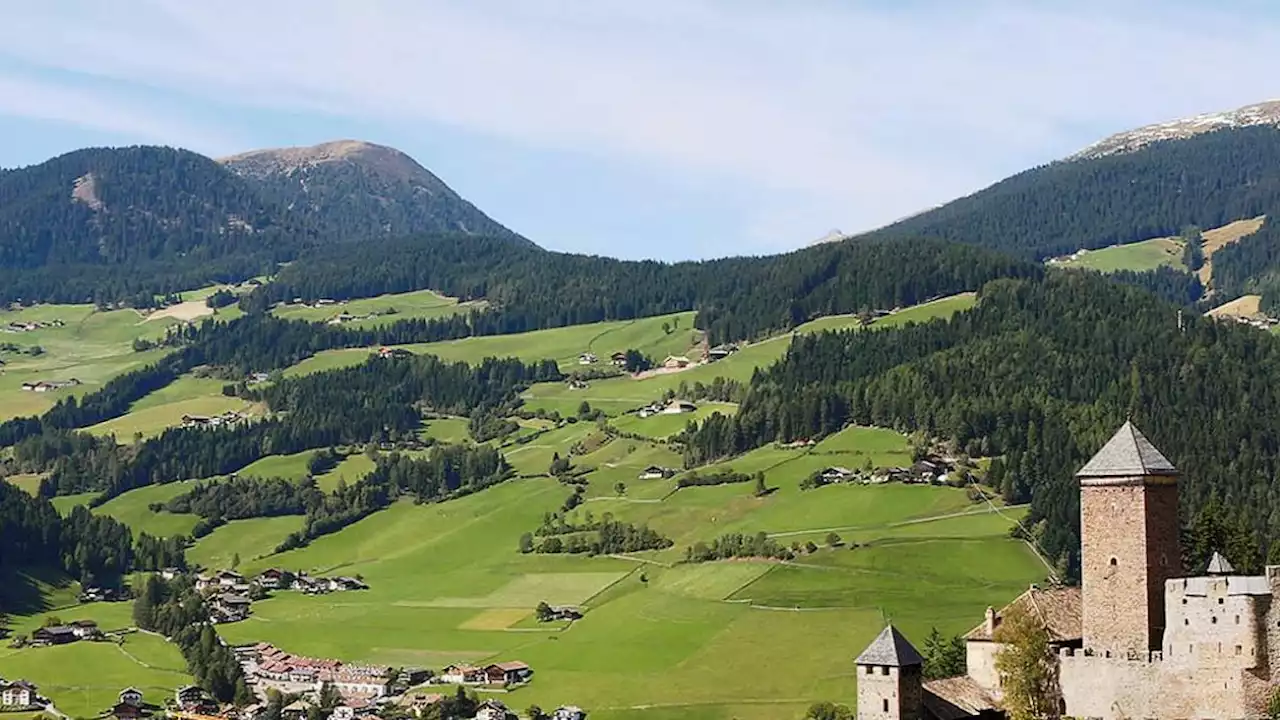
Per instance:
(886,705)
(1220,601)
(1191,648)
(870,669)
(1239,650)
(1113,562)
(884,670)
(1184,601)
(1237,619)
(1186,621)
(1214,619)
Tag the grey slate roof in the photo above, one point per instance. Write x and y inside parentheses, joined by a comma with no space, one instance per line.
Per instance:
(1218,565)
(1127,454)
(890,648)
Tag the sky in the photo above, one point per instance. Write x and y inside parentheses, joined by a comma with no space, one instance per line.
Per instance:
(669,129)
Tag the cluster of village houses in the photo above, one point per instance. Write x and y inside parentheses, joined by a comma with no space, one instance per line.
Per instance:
(230,417)
(49,385)
(364,687)
(619,359)
(229,593)
(932,470)
(30,325)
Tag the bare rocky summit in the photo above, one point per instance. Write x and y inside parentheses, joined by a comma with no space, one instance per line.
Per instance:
(1264,113)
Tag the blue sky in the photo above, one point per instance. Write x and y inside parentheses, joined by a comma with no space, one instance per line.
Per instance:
(670,129)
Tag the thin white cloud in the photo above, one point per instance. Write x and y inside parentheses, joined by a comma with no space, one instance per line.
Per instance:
(867,113)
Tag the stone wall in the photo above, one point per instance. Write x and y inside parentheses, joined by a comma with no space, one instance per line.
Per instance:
(1094,686)
(1212,626)
(1114,579)
(980,658)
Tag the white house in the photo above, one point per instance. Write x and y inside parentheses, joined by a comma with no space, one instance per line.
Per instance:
(676,407)
(569,712)
(19,693)
(131,696)
(493,710)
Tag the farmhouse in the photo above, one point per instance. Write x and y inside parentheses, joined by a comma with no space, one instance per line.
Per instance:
(721,352)
(55,635)
(418,703)
(619,359)
(1137,639)
(588,359)
(131,696)
(576,384)
(190,697)
(508,673)
(677,407)
(258,377)
(569,712)
(463,675)
(493,710)
(389,352)
(656,472)
(49,385)
(85,629)
(565,612)
(18,694)
(230,607)
(275,578)
(675,362)
(837,474)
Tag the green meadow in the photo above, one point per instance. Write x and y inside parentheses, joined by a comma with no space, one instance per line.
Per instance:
(1139,256)
(385,309)
(662,426)
(564,345)
(133,509)
(249,540)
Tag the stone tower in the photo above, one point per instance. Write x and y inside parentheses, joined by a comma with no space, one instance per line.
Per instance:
(1129,543)
(890,683)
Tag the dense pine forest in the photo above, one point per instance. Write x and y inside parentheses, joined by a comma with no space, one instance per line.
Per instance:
(1207,180)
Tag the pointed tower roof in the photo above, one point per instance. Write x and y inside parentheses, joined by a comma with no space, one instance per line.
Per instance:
(890,648)
(1218,565)
(1127,454)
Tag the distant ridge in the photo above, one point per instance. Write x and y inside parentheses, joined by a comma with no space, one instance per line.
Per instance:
(1263,113)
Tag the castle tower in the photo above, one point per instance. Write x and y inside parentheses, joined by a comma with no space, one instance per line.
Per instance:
(890,683)
(1129,543)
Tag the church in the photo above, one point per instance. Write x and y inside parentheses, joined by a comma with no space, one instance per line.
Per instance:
(1137,639)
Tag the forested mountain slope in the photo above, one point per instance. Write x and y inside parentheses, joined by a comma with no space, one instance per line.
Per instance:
(1206,180)
(106,224)
(1040,372)
(736,298)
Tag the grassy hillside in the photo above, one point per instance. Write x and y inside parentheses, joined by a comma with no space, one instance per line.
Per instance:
(386,309)
(1161,251)
(447,584)
(561,344)
(133,509)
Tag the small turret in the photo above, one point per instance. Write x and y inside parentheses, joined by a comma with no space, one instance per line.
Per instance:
(890,680)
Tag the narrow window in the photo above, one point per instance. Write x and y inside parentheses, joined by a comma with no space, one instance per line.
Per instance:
(1214,620)
(1220,601)
(886,705)
(1237,619)
(1239,650)
(870,669)
(1113,562)
(884,670)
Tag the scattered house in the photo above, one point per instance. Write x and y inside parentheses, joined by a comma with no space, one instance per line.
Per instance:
(565,612)
(230,607)
(346,583)
(576,384)
(296,710)
(675,362)
(677,407)
(462,675)
(228,418)
(417,704)
(93,593)
(170,573)
(507,673)
(569,712)
(800,443)
(650,409)
(326,301)
(229,578)
(85,629)
(190,697)
(275,579)
(493,710)
(131,696)
(588,359)
(619,359)
(390,352)
(18,694)
(258,377)
(49,385)
(721,352)
(656,472)
(837,475)
(56,635)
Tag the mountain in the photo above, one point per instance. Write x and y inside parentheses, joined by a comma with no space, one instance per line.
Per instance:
(1264,113)
(359,189)
(124,224)
(1207,179)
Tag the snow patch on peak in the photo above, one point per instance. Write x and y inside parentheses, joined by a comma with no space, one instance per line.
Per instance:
(1264,113)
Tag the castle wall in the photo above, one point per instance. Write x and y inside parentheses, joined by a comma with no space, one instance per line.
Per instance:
(1094,686)
(1115,584)
(1217,622)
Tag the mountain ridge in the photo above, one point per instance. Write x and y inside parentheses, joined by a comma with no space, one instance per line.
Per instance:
(1127,141)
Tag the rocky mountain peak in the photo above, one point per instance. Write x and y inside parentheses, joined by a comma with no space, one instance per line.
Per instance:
(1264,113)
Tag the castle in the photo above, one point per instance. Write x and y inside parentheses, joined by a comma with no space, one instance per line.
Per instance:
(1137,639)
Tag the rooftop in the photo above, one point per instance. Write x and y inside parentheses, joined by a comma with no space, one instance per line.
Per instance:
(1127,454)
(890,648)
(956,698)
(1218,565)
(1058,608)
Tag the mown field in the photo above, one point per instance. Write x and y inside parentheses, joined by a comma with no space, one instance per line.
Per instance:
(385,309)
(165,408)
(1162,251)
